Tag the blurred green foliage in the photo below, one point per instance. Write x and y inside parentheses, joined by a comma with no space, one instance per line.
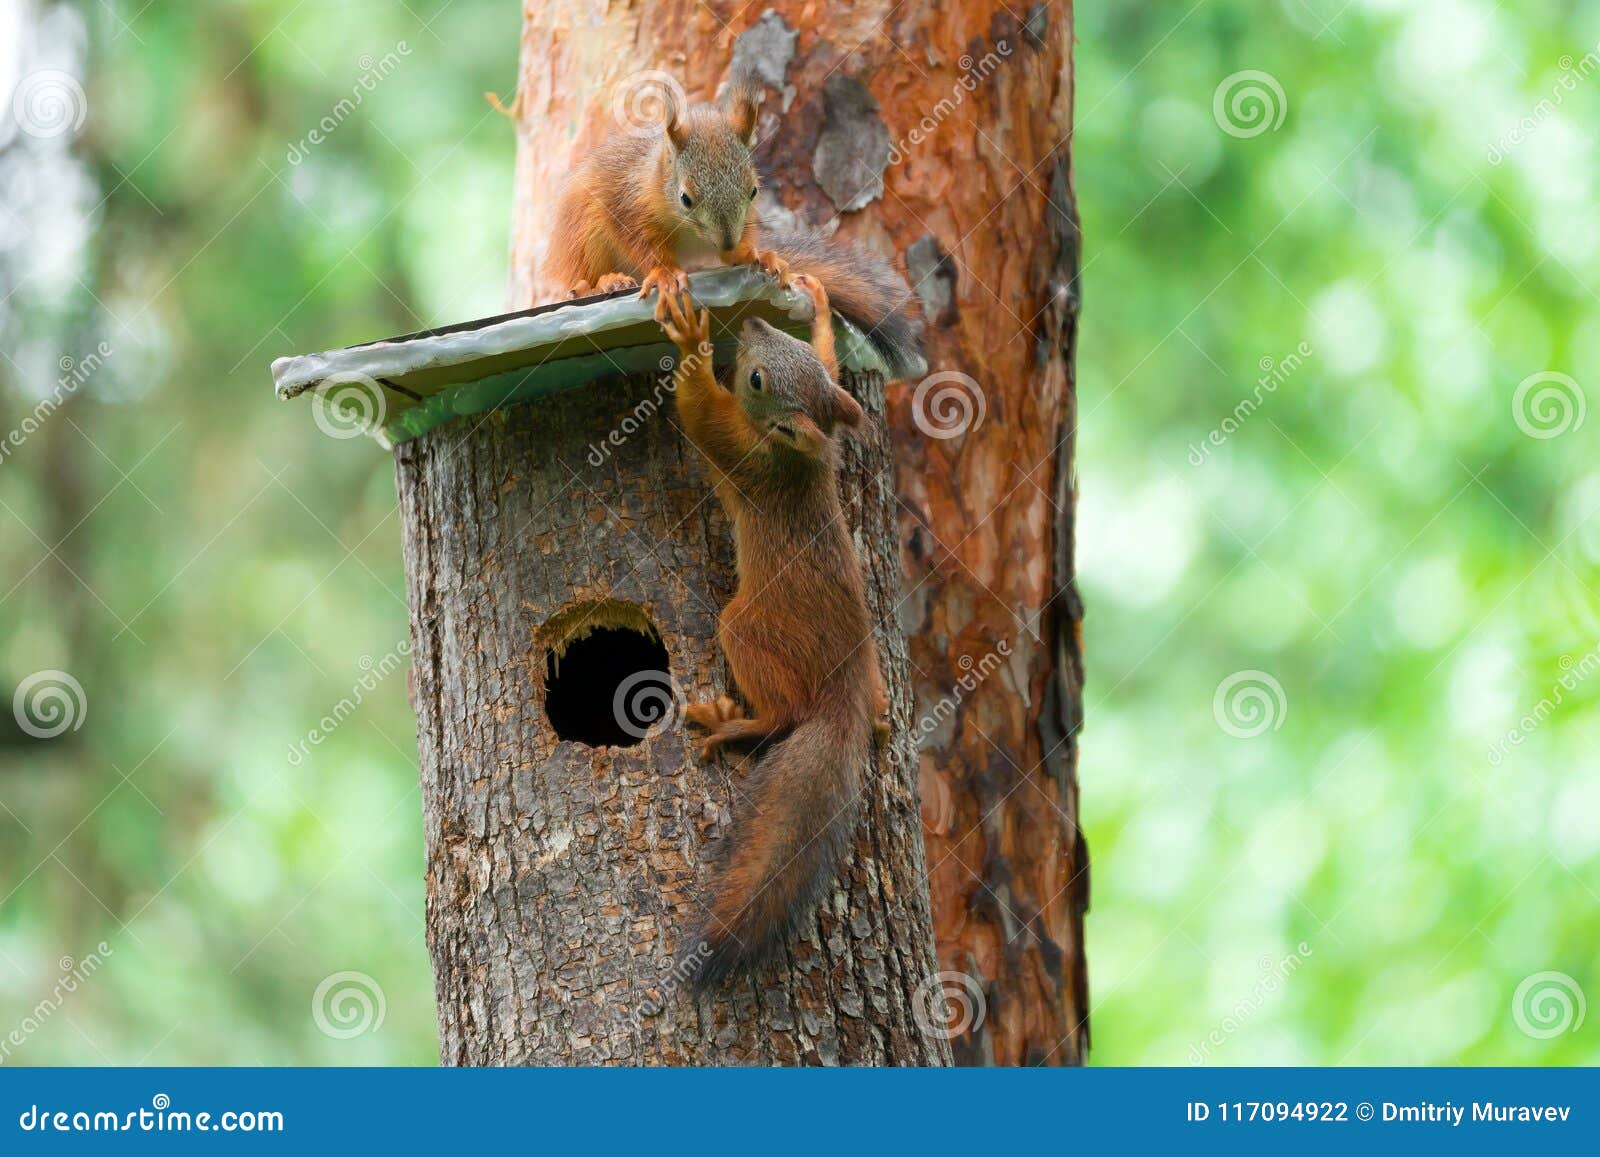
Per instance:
(1377,536)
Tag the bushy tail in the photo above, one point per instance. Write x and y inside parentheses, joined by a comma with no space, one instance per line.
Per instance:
(865,291)
(797,820)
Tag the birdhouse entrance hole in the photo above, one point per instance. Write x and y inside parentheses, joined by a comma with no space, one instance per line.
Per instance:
(607,678)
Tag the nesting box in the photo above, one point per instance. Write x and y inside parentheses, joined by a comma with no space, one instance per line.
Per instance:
(566,562)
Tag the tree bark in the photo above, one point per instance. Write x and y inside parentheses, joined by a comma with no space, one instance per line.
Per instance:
(560,876)
(935,133)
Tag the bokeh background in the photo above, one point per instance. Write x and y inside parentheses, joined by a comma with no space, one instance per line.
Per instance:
(1338,532)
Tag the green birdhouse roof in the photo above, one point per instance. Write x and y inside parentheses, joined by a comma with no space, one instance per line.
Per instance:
(401,387)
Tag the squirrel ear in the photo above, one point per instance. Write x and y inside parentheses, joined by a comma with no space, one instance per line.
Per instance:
(743,103)
(847,409)
(677,131)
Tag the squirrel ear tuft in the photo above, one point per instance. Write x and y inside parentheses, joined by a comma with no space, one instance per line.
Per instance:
(847,409)
(743,104)
(677,130)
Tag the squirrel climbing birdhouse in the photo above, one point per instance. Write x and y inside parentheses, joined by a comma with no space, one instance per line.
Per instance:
(566,563)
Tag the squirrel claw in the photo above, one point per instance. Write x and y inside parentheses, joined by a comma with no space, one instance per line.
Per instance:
(675,314)
(775,266)
(582,289)
(812,288)
(662,278)
(711,715)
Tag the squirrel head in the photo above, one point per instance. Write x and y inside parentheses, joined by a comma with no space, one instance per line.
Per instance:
(785,390)
(710,175)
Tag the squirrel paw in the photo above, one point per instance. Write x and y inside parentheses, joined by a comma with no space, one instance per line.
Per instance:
(684,328)
(775,266)
(812,288)
(663,278)
(712,715)
(725,722)
(581,289)
(612,282)
(880,693)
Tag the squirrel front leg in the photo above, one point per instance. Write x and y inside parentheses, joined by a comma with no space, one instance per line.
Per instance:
(821,323)
(711,415)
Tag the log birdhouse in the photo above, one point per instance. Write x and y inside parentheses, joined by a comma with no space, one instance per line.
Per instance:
(566,562)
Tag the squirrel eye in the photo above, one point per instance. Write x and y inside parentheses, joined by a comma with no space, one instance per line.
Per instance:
(753,191)
(755,380)
(688,201)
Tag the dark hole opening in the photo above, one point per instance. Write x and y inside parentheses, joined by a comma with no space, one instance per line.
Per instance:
(611,688)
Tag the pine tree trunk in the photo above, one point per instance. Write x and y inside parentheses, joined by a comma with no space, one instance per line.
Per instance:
(935,132)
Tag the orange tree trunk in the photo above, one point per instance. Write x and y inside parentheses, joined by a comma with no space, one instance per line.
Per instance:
(936,132)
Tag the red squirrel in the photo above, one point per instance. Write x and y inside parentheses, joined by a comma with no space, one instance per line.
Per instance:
(642,210)
(805,660)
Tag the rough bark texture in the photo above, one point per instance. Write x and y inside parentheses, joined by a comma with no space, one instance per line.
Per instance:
(979,207)
(560,875)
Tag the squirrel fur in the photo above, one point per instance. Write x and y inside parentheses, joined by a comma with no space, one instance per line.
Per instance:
(642,210)
(797,634)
